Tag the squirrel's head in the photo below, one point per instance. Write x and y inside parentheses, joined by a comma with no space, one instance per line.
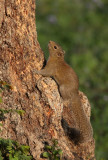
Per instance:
(55,50)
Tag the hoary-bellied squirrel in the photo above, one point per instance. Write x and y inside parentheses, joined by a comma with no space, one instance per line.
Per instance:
(68,84)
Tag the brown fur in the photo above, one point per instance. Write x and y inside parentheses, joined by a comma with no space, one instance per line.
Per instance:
(68,86)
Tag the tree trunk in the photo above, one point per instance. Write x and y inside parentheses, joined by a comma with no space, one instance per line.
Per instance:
(20,54)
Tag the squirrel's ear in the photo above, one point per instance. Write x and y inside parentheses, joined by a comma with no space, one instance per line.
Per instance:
(61,53)
(64,52)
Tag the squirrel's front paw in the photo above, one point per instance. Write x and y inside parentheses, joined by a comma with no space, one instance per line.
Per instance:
(36,71)
(66,103)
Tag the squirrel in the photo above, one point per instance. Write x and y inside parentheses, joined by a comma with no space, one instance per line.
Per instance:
(68,83)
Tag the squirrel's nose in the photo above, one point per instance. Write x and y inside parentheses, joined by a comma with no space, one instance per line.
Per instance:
(50,41)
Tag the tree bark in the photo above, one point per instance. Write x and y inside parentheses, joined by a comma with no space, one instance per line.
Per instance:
(20,54)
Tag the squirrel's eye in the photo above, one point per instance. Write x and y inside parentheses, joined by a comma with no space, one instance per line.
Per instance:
(55,47)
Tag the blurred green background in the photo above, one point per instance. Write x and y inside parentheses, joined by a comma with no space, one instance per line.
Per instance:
(81,28)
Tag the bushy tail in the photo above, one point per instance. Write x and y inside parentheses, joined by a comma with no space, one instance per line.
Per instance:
(85,128)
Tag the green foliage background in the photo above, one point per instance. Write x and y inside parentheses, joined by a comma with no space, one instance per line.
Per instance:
(81,28)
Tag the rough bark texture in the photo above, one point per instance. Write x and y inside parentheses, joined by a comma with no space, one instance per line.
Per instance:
(20,54)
